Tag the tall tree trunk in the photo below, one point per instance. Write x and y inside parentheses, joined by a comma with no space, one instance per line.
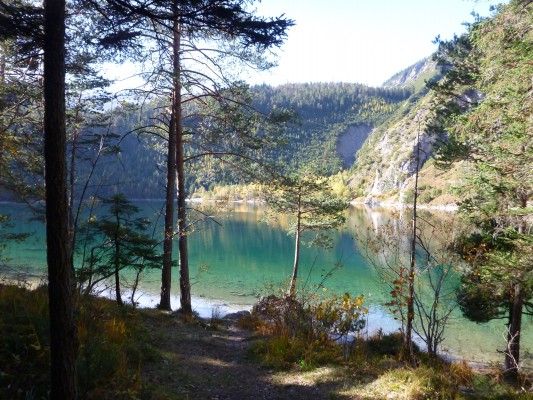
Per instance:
(166,276)
(412,259)
(71,184)
(512,355)
(72,179)
(2,66)
(72,176)
(63,340)
(292,289)
(185,284)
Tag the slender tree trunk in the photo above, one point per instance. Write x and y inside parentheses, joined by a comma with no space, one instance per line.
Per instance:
(166,275)
(71,183)
(117,263)
(2,66)
(63,340)
(411,276)
(292,289)
(72,178)
(512,355)
(166,278)
(185,284)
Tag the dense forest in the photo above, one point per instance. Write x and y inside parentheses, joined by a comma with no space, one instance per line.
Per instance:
(324,116)
(455,129)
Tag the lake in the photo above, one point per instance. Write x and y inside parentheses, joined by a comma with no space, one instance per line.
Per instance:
(235,258)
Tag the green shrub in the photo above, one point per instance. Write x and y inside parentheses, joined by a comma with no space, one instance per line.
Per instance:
(385,345)
(112,349)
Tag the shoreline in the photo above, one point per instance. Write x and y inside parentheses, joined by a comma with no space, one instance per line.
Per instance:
(370,204)
(403,206)
(377,320)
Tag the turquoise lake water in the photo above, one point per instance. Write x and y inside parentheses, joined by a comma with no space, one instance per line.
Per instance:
(241,258)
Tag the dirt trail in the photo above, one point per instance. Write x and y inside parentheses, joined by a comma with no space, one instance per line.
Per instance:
(205,363)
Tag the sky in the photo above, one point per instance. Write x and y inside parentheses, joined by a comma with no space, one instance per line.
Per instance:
(363,41)
(357,41)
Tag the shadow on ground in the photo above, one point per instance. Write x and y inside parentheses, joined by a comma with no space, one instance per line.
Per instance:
(198,362)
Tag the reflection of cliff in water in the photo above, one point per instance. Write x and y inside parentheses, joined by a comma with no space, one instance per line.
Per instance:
(362,219)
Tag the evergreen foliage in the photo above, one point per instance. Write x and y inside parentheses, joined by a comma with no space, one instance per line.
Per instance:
(21,112)
(306,197)
(486,107)
(118,242)
(326,110)
(323,113)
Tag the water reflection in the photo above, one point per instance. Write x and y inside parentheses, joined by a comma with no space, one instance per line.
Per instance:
(246,258)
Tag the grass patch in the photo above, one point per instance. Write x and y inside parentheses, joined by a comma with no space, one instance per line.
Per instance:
(282,352)
(113,347)
(24,348)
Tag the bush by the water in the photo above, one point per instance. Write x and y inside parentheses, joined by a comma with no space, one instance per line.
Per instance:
(296,335)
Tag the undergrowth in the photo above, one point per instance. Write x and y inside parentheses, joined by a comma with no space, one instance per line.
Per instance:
(24,351)
(115,346)
(112,347)
(372,367)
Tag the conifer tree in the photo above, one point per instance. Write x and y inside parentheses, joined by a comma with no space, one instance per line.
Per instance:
(120,242)
(486,106)
(306,197)
(60,281)
(179,26)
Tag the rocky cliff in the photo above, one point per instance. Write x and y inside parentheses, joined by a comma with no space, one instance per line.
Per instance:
(386,163)
(413,76)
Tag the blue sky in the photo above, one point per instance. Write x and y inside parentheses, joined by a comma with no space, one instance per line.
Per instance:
(364,41)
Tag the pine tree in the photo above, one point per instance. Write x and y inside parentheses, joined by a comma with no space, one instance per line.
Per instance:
(486,107)
(180,25)
(60,281)
(122,243)
(306,197)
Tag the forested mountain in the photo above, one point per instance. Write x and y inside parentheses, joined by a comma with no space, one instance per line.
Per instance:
(368,133)
(333,121)
(136,169)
